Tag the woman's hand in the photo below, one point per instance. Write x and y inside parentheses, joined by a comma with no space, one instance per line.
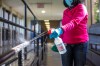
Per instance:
(55,33)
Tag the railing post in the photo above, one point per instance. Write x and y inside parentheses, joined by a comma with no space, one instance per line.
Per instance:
(34,36)
(91,46)
(25,18)
(96,47)
(45,40)
(42,47)
(20,60)
(38,51)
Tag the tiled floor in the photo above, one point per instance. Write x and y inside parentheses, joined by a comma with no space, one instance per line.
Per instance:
(53,58)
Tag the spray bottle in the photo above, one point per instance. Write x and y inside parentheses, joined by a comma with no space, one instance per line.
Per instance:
(59,43)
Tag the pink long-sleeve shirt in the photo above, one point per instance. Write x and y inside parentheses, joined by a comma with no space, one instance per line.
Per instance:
(74,25)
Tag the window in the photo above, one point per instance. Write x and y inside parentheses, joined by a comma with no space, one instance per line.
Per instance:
(1,25)
(1,12)
(5,25)
(6,16)
(1,15)
(96,11)
(22,24)
(14,19)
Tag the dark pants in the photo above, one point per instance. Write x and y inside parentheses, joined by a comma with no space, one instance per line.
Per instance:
(75,55)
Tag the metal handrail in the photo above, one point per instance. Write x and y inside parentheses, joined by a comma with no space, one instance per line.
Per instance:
(98,53)
(92,50)
(18,48)
(14,24)
(94,34)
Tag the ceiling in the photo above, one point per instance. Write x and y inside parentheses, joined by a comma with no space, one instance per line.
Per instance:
(54,8)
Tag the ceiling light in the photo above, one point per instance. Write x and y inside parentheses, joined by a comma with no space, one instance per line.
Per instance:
(46,20)
(43,11)
(47,23)
(48,28)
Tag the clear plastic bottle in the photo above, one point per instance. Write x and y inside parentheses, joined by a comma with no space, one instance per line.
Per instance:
(60,45)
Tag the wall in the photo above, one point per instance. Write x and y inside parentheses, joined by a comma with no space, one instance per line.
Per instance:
(9,8)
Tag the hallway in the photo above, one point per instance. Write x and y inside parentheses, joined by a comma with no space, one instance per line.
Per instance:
(24,25)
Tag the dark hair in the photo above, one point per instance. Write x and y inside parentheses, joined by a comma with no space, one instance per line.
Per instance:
(75,3)
(65,3)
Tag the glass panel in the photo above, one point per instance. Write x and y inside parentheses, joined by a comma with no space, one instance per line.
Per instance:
(96,11)
(14,20)
(1,12)
(6,17)
(1,15)
(21,29)
(10,19)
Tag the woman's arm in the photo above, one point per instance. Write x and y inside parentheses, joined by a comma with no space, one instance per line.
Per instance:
(78,16)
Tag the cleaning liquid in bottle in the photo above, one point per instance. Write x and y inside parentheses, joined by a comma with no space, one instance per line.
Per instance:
(60,45)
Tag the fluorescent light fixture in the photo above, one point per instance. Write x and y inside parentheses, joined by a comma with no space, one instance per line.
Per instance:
(47,23)
(43,11)
(46,20)
(48,28)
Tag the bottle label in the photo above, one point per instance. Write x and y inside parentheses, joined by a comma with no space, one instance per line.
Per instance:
(60,47)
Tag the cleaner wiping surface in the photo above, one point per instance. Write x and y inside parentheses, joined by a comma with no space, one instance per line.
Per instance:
(58,42)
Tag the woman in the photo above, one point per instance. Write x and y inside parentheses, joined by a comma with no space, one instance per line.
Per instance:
(73,33)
